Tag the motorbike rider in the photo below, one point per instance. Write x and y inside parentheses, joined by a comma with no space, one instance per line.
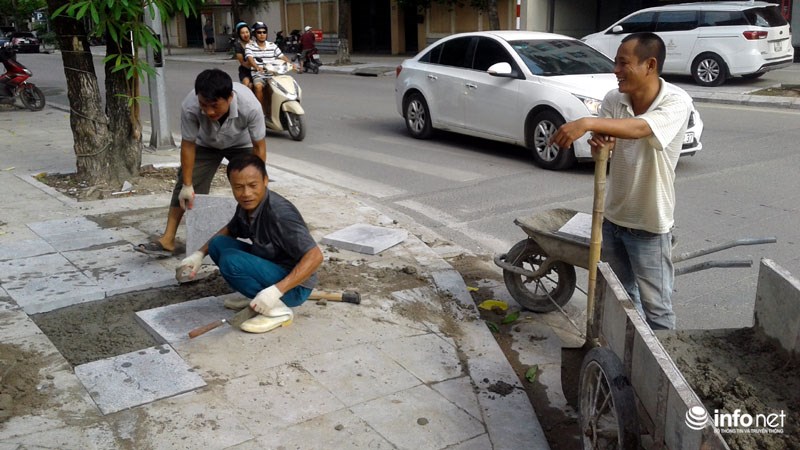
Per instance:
(258,53)
(307,43)
(242,39)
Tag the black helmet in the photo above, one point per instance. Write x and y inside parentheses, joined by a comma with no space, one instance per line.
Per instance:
(259,26)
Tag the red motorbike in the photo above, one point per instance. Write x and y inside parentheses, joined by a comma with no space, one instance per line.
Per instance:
(14,82)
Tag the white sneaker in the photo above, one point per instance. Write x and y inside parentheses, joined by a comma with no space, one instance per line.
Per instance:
(262,324)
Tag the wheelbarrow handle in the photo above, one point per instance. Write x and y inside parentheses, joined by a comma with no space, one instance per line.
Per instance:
(723,246)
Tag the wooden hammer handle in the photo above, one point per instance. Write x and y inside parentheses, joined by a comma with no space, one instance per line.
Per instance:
(346,296)
(205,328)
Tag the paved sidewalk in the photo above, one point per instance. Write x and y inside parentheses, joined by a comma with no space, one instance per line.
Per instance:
(408,369)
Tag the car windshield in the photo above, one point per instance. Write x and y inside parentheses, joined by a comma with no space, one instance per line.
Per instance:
(561,57)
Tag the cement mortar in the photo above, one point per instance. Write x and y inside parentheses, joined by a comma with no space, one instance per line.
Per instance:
(106,328)
(733,369)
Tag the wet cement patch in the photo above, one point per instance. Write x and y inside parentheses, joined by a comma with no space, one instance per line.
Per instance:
(105,328)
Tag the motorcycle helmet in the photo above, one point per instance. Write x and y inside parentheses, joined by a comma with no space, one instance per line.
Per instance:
(258,26)
(307,29)
(239,26)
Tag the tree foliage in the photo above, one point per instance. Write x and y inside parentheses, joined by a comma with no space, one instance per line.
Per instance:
(19,10)
(123,22)
(108,140)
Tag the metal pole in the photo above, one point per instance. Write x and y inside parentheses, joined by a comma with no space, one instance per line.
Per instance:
(160,135)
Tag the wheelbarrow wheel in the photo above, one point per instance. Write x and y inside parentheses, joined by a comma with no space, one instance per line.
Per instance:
(607,413)
(538,294)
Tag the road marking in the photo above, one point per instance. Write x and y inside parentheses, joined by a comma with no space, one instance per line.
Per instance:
(328,175)
(400,163)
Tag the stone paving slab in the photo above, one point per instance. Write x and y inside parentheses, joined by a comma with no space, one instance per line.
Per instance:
(360,373)
(25,249)
(137,378)
(72,233)
(172,323)
(336,430)
(279,397)
(119,269)
(365,238)
(34,267)
(461,392)
(43,294)
(414,354)
(418,418)
(200,419)
(207,216)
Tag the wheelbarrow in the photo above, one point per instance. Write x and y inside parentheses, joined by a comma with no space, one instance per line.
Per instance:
(539,271)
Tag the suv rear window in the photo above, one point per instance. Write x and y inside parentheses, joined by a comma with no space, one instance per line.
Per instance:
(768,16)
(722,18)
(21,34)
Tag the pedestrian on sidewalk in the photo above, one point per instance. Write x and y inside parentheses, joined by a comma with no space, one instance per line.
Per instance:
(242,39)
(208,29)
(278,269)
(219,119)
(644,120)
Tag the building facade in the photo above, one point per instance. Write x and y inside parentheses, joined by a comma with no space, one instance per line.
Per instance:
(383,26)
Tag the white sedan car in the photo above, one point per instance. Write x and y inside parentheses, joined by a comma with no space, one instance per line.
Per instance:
(511,86)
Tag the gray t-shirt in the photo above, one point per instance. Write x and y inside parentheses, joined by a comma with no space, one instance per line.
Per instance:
(278,232)
(244,125)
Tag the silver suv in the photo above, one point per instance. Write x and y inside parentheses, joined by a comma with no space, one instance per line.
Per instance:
(710,41)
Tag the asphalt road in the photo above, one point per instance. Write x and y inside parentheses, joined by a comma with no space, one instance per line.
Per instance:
(743,184)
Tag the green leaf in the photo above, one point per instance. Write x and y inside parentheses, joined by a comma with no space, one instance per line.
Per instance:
(95,16)
(511,317)
(531,373)
(59,11)
(82,11)
(492,326)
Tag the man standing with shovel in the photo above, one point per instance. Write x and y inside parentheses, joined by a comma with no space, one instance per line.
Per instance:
(644,121)
(278,269)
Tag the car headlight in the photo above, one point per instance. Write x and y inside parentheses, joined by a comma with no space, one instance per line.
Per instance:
(592,104)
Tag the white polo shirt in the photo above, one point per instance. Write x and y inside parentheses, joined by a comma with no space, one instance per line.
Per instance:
(641,189)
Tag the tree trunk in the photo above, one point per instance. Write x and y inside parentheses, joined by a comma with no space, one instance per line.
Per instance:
(494,19)
(88,121)
(343,50)
(124,158)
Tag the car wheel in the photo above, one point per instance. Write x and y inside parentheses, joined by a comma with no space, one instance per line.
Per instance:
(753,76)
(709,69)
(548,156)
(418,117)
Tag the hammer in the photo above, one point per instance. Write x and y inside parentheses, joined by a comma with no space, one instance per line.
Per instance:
(344,296)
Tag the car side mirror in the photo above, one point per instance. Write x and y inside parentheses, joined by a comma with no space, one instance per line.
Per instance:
(617,29)
(501,69)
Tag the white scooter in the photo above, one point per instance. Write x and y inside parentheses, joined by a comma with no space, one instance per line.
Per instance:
(286,114)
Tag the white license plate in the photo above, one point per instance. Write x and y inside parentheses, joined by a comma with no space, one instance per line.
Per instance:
(778,46)
(688,138)
(315,56)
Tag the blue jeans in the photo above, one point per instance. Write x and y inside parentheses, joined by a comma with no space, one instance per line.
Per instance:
(248,273)
(643,263)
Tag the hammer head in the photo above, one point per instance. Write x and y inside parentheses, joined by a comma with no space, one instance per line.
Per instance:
(351,297)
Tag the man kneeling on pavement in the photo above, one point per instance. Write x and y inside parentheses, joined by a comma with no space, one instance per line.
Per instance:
(278,270)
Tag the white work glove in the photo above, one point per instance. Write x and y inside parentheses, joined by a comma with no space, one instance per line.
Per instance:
(190,264)
(186,196)
(267,299)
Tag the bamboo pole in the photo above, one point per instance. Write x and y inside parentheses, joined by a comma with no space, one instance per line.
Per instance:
(596,241)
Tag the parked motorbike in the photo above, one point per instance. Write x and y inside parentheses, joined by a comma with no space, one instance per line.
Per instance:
(293,43)
(14,82)
(286,114)
(280,41)
(312,61)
